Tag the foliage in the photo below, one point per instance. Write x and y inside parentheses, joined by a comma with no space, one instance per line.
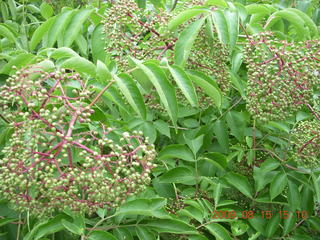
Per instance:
(159,120)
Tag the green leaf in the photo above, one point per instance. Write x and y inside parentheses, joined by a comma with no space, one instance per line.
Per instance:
(18,61)
(6,32)
(171,226)
(122,234)
(101,235)
(239,182)
(57,28)
(301,31)
(163,189)
(307,20)
(289,223)
(185,84)
(148,207)
(278,184)
(221,25)
(233,26)
(98,44)
(164,88)
(218,3)
(272,226)
(177,175)
(238,227)
(46,10)
(72,227)
(40,32)
(183,17)
(162,127)
(144,233)
(213,92)
(236,123)
(132,93)
(218,231)
(176,151)
(80,65)
(293,196)
(103,73)
(5,221)
(75,26)
(195,144)
(63,52)
(220,130)
(185,42)
(46,228)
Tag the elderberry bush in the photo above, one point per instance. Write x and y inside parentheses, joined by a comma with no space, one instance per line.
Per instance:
(282,75)
(57,158)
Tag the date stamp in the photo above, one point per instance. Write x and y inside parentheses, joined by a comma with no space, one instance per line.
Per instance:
(250,214)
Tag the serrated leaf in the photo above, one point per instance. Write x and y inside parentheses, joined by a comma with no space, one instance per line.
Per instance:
(213,92)
(57,28)
(101,235)
(81,65)
(293,196)
(144,233)
(98,44)
(171,226)
(179,151)
(40,32)
(177,175)
(72,227)
(164,88)
(185,84)
(218,231)
(132,93)
(221,132)
(6,32)
(75,26)
(185,42)
(162,127)
(278,184)
(63,52)
(148,207)
(272,226)
(184,16)
(240,182)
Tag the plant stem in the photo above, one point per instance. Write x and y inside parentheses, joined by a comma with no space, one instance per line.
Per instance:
(101,93)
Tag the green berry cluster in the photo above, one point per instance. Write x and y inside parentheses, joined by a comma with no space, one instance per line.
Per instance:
(306,140)
(211,57)
(136,32)
(282,75)
(57,157)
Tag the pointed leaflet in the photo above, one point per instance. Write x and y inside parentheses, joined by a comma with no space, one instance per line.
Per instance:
(81,65)
(164,88)
(185,42)
(75,26)
(208,88)
(40,32)
(278,184)
(179,151)
(177,175)
(218,231)
(103,73)
(60,23)
(97,44)
(185,84)
(184,16)
(221,25)
(6,32)
(46,10)
(233,26)
(301,31)
(239,182)
(101,235)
